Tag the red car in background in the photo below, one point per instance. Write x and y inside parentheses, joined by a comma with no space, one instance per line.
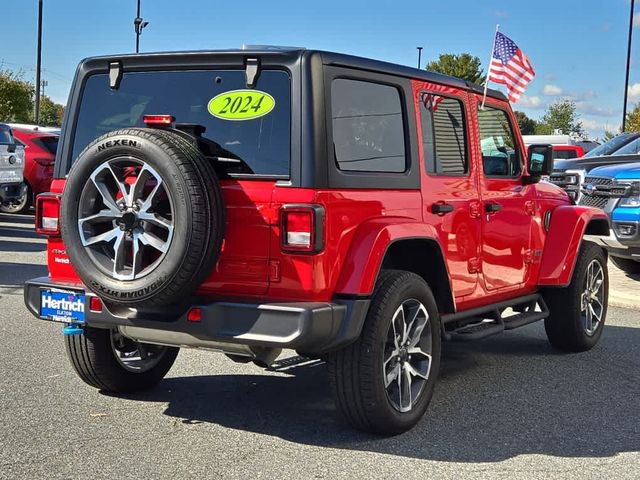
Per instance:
(40,155)
(566,152)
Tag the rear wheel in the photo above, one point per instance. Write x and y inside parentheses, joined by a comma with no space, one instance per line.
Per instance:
(383,382)
(578,311)
(20,205)
(627,265)
(107,360)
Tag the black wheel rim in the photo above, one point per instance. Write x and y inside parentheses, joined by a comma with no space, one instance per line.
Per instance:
(134,356)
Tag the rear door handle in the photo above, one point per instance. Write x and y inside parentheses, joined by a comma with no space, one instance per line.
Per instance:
(492,207)
(441,208)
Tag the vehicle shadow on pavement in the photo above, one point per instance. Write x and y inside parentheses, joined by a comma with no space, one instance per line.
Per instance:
(496,399)
(15,274)
(22,229)
(9,246)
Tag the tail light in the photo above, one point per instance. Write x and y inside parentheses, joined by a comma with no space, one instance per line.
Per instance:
(158,120)
(48,214)
(302,228)
(45,162)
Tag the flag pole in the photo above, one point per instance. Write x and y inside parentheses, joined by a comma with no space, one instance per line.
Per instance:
(486,82)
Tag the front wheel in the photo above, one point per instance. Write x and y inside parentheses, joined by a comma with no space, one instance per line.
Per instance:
(578,311)
(107,360)
(627,265)
(383,382)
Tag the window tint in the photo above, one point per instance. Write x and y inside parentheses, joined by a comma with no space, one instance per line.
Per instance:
(443,135)
(368,129)
(257,146)
(500,154)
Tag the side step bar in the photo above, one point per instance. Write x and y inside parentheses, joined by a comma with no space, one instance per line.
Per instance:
(485,321)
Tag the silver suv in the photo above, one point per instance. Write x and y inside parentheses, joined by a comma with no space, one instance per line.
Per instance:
(11,165)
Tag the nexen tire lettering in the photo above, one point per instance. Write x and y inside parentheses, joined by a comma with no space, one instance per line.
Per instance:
(118,143)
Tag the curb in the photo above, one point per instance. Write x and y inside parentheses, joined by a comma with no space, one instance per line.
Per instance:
(624,301)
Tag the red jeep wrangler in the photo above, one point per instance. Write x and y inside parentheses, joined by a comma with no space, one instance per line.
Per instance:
(246,201)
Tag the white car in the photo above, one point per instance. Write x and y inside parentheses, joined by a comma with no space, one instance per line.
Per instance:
(12,163)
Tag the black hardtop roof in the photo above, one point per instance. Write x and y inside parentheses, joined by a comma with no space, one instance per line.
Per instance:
(328,58)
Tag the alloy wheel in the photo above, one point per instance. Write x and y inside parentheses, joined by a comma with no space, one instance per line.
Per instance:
(126,218)
(592,298)
(407,355)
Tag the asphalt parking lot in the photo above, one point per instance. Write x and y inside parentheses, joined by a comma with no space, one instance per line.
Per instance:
(505,407)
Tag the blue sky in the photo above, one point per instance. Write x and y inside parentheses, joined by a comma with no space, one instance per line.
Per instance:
(578,47)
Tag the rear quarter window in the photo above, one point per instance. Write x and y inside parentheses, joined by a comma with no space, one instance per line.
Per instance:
(368,128)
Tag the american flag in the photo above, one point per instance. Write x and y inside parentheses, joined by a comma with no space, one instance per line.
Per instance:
(510,67)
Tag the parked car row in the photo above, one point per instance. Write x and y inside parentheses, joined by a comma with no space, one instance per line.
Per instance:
(616,190)
(12,161)
(36,151)
(608,177)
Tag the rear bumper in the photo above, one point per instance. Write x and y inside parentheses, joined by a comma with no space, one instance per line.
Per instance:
(309,327)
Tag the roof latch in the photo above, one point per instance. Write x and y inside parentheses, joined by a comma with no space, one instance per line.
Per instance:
(115,75)
(252,71)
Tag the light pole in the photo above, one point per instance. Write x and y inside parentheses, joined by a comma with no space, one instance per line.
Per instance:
(419,55)
(138,25)
(36,116)
(626,81)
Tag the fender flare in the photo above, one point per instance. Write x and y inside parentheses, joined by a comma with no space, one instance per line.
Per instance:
(568,225)
(369,247)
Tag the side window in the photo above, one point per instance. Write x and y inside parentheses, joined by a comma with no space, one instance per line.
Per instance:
(368,127)
(500,153)
(443,135)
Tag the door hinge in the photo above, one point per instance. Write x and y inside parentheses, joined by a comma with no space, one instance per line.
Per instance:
(530,207)
(474,265)
(474,209)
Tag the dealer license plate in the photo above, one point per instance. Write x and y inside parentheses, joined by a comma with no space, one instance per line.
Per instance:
(62,306)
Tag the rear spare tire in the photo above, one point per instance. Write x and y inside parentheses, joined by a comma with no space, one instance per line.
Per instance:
(142,217)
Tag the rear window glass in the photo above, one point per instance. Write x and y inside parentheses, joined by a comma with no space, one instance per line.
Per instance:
(5,135)
(50,144)
(564,154)
(258,146)
(368,129)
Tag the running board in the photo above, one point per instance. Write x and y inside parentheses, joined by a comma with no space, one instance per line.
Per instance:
(485,321)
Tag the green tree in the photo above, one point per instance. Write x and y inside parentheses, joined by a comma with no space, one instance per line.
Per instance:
(608,135)
(527,125)
(633,120)
(463,66)
(560,115)
(16,97)
(50,112)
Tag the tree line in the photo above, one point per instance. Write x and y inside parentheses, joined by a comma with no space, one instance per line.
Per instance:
(560,115)
(17,101)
